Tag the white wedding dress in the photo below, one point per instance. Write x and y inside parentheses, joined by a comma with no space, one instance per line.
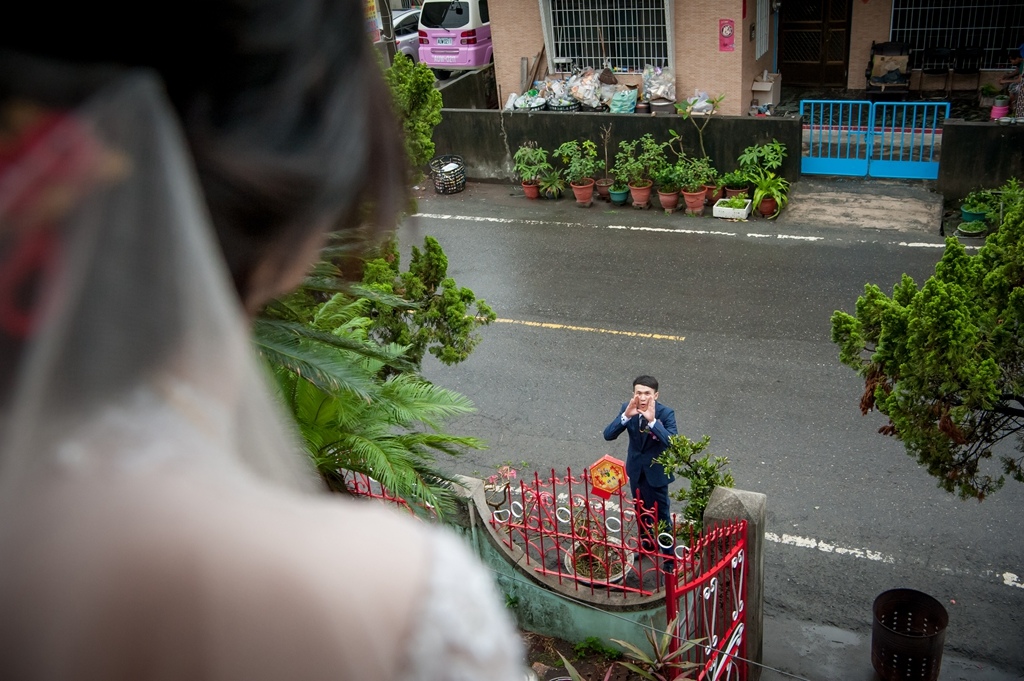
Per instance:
(156,518)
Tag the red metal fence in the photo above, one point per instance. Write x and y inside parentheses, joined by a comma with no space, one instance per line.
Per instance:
(603,547)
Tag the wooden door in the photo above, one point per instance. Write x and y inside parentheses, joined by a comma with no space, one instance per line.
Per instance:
(814,42)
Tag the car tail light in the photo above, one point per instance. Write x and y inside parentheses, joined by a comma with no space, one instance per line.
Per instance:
(468,37)
(423,38)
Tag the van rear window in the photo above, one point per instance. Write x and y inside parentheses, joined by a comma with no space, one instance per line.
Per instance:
(444,14)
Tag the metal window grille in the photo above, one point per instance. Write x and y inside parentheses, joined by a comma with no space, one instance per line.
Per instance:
(761,39)
(993,25)
(623,35)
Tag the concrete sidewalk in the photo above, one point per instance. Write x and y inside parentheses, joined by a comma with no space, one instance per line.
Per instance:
(907,209)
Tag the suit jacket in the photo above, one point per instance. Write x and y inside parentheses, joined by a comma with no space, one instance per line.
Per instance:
(645,447)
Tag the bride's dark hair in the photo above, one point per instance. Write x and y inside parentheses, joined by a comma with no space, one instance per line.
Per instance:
(284,111)
(282,103)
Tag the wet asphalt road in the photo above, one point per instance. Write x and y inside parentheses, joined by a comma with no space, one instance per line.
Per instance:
(749,363)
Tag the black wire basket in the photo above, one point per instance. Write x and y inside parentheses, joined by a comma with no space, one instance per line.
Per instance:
(451,181)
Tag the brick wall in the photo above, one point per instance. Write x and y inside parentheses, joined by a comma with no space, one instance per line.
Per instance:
(517,33)
(870,22)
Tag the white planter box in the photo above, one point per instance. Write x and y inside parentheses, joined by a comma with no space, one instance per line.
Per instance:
(720,211)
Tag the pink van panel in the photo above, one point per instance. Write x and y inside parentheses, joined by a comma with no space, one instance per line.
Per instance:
(445,48)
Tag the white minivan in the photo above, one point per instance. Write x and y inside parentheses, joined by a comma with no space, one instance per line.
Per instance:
(455,35)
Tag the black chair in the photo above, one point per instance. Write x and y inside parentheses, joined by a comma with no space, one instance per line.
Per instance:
(937,61)
(888,71)
(967,62)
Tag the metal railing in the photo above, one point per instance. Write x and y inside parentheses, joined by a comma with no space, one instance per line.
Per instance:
(614,548)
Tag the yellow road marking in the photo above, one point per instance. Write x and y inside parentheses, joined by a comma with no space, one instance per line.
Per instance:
(569,327)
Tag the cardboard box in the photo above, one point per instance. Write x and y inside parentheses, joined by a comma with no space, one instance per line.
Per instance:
(766,92)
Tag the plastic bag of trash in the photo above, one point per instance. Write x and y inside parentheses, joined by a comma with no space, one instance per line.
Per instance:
(586,88)
(529,101)
(659,83)
(699,103)
(624,101)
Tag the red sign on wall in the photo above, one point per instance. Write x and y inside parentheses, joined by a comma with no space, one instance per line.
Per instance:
(726,35)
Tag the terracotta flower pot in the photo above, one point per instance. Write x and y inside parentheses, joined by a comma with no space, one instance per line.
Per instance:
(712,193)
(584,191)
(602,186)
(669,200)
(729,192)
(531,190)
(768,206)
(694,202)
(641,193)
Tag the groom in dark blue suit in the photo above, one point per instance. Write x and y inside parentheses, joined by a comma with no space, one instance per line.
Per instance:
(649,425)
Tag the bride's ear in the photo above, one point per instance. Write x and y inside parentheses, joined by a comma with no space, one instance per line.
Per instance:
(280,271)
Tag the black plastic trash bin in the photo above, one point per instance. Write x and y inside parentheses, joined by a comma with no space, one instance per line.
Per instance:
(907,634)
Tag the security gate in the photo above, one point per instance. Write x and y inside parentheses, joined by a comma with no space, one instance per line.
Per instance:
(877,139)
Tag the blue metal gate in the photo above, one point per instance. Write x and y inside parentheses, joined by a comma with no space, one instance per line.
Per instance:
(877,139)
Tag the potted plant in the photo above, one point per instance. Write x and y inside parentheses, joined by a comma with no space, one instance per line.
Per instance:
(581,164)
(551,184)
(604,184)
(531,163)
(771,192)
(734,183)
(595,555)
(667,181)
(691,179)
(706,173)
(636,162)
(987,94)
(766,156)
(979,205)
(732,208)
(972,229)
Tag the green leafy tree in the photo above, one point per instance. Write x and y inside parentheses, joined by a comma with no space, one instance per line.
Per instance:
(945,362)
(685,458)
(418,105)
(358,401)
(437,314)
(328,372)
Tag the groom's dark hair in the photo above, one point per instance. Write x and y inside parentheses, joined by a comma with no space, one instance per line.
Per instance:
(649,381)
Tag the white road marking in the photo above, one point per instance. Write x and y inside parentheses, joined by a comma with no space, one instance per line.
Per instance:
(809,543)
(1008,578)
(668,230)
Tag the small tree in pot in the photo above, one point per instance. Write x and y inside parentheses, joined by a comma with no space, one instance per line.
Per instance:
(581,164)
(531,164)
(636,162)
(667,180)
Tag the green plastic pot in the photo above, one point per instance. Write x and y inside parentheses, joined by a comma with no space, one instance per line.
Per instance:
(971,216)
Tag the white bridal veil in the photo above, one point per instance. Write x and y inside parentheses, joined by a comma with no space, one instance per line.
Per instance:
(157,520)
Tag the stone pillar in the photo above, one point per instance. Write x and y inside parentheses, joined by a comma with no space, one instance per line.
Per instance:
(733,504)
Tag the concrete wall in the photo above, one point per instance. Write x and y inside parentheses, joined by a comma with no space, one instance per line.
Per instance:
(470,90)
(979,155)
(487,139)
